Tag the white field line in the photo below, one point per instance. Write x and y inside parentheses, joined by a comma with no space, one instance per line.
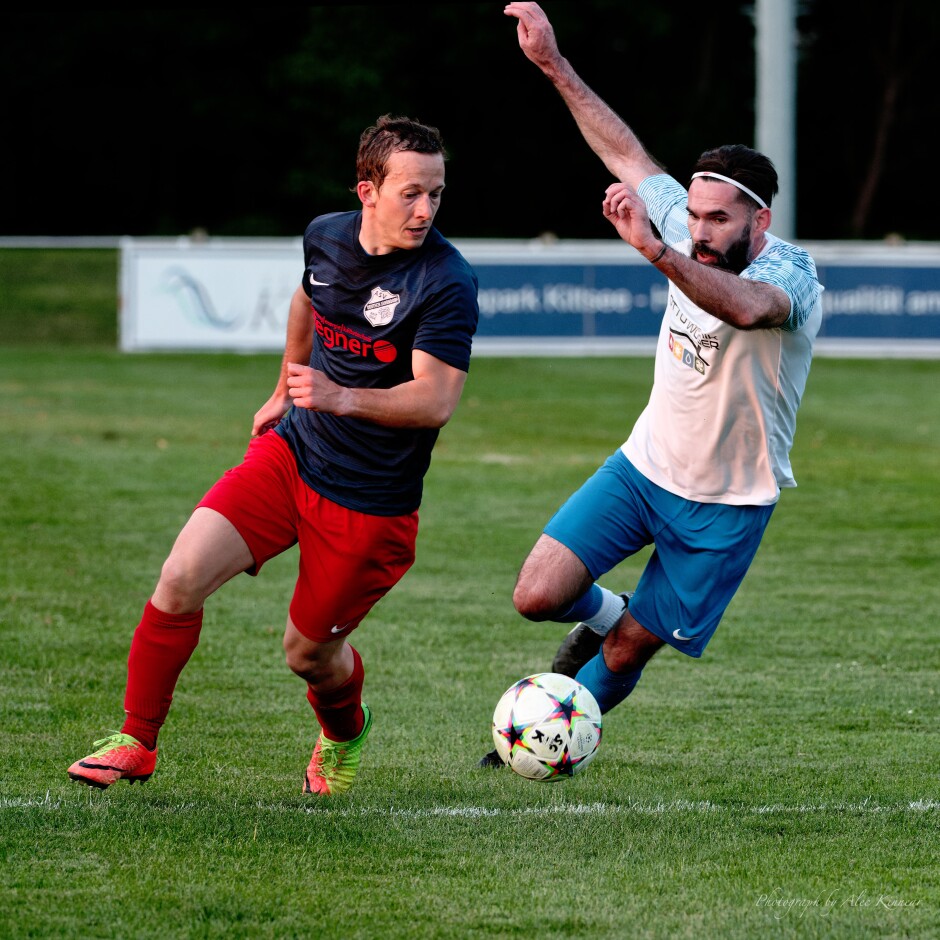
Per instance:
(867,806)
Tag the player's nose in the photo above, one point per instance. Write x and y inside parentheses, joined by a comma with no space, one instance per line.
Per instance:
(423,208)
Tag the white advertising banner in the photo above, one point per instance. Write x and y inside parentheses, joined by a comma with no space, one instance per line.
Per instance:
(217,295)
(233,295)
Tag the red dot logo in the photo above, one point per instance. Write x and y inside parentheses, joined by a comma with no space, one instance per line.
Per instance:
(384,351)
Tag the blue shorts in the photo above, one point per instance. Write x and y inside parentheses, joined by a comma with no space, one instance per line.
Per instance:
(700,556)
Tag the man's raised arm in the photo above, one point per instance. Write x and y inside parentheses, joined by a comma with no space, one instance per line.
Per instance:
(605,132)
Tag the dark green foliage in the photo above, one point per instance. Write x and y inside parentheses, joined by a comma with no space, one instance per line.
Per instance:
(162,121)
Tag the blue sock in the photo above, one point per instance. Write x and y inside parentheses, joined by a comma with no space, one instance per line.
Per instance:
(609,688)
(586,606)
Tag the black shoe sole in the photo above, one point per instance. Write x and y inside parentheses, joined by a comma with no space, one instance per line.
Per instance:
(492,760)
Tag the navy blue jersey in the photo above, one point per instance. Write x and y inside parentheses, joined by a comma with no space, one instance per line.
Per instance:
(369,313)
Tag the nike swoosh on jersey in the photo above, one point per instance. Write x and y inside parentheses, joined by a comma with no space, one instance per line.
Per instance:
(338,629)
(679,636)
(317,283)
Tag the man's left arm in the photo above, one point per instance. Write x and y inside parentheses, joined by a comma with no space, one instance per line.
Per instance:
(426,401)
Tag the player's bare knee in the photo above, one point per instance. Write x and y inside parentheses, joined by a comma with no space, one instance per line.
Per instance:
(180,588)
(533,603)
(297,662)
(313,662)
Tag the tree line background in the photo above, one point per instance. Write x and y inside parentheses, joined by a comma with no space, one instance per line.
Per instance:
(245,122)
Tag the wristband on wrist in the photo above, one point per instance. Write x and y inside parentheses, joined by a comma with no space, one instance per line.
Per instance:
(661,253)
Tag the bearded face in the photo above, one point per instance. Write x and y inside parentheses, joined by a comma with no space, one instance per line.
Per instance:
(735,258)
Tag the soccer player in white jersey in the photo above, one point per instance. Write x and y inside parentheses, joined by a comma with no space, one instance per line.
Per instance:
(700,473)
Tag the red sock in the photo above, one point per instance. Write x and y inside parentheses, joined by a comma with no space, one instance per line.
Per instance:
(161,647)
(339,711)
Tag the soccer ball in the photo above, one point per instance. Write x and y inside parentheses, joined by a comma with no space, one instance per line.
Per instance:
(547,726)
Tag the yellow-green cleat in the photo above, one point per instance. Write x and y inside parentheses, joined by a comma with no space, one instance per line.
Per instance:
(333,767)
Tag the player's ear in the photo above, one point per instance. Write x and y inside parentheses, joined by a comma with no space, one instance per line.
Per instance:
(762,220)
(367,192)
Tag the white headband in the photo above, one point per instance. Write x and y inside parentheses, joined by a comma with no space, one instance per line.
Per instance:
(741,186)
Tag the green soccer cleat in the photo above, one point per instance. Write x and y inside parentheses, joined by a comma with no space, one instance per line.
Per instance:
(333,766)
(118,757)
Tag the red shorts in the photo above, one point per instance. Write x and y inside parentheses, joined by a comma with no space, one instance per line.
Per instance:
(348,559)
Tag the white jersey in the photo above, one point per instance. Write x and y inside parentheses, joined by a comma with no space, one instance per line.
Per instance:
(721,416)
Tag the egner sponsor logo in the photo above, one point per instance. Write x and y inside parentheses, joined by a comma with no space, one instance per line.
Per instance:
(343,338)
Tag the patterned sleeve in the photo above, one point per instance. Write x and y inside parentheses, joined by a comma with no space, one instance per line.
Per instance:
(667,204)
(794,272)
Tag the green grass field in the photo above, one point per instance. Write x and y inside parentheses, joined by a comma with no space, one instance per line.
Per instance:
(786,785)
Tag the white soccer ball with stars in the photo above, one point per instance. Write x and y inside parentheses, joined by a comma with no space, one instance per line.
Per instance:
(547,726)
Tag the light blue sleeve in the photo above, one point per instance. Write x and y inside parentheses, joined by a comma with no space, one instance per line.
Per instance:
(794,272)
(667,204)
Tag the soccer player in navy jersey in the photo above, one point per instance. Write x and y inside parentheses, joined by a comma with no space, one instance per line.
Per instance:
(702,469)
(377,351)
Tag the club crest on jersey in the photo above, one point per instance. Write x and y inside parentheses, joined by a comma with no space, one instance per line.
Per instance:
(380,308)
